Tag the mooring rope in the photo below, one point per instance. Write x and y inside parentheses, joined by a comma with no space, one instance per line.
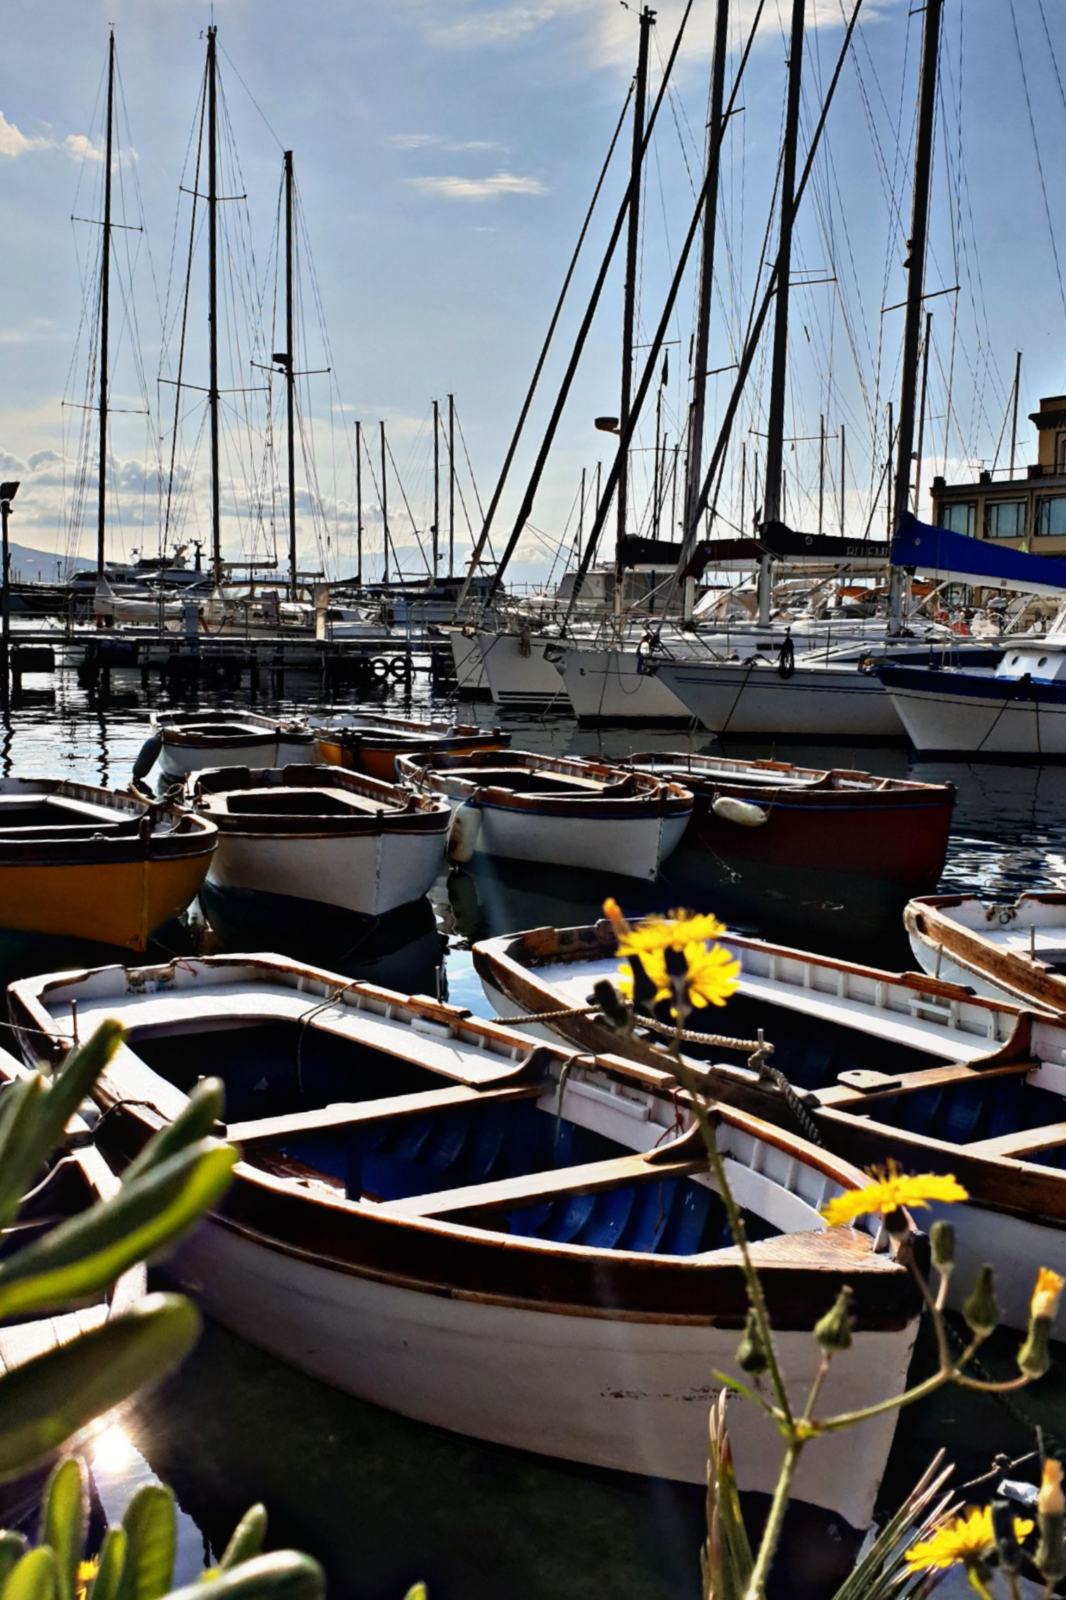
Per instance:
(720,1041)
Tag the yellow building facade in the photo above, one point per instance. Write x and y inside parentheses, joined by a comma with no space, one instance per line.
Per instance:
(1023,512)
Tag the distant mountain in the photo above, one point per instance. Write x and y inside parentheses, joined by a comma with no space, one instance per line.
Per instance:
(32,566)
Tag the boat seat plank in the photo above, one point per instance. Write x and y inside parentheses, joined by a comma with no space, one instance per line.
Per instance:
(1021,1142)
(533,1187)
(344,1115)
(841,1096)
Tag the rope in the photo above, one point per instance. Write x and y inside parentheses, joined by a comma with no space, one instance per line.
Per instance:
(720,1041)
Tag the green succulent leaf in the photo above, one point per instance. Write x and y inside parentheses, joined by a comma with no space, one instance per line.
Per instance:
(151,1524)
(13,1547)
(248,1538)
(198,1120)
(85,1254)
(64,1521)
(35,1577)
(108,1580)
(37,1122)
(47,1400)
(281,1575)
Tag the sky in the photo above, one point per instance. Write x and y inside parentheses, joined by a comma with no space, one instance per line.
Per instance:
(445,155)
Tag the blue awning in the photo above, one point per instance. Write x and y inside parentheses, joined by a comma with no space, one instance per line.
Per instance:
(939,553)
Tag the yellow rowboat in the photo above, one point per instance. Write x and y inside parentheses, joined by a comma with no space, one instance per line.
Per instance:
(80,862)
(370,742)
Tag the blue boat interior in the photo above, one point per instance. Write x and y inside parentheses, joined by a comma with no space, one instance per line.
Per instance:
(962,1113)
(401,1157)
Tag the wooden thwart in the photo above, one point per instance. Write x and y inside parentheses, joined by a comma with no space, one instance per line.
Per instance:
(346,1114)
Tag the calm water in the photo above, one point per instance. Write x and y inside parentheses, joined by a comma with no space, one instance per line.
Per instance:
(383,1501)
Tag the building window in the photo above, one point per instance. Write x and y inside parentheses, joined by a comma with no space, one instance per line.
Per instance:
(1060,461)
(1005,519)
(1051,517)
(959,516)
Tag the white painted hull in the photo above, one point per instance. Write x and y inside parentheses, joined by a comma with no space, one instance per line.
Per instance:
(973,725)
(631,1395)
(940,963)
(1016,1246)
(606,685)
(835,702)
(178,761)
(466,658)
(633,847)
(364,873)
(515,679)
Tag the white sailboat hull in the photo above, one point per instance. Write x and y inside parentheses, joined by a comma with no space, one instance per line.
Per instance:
(627,1394)
(469,668)
(368,874)
(606,685)
(739,698)
(973,724)
(517,679)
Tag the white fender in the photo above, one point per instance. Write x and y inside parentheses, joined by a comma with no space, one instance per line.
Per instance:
(464,832)
(741,812)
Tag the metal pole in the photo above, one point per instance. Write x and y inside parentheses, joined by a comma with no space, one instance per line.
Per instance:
(698,403)
(743,482)
(888,465)
(5,610)
(212,272)
(775,425)
(921,413)
(105,298)
(580,518)
(384,501)
(290,374)
(1014,411)
(629,306)
(821,474)
(916,245)
(359,502)
(451,485)
(843,470)
(436,490)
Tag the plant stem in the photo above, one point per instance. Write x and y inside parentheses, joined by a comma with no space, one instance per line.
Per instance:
(760,1572)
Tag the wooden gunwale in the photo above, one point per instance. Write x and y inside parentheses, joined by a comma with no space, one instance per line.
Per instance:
(839,785)
(1032,982)
(399,811)
(652,796)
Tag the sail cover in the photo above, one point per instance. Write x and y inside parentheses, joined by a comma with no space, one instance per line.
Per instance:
(939,553)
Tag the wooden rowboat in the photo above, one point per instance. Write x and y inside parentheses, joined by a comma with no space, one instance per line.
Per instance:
(554,810)
(185,742)
(503,1240)
(1014,951)
(302,838)
(370,742)
(901,1067)
(84,863)
(770,815)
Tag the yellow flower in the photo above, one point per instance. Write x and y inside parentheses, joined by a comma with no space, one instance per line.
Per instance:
(87,1571)
(1050,1501)
(676,932)
(613,912)
(711,976)
(1047,1294)
(968,1538)
(891,1191)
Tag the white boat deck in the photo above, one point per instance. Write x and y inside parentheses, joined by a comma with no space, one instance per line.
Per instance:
(931,1034)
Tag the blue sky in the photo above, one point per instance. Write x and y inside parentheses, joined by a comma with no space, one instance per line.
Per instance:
(444,155)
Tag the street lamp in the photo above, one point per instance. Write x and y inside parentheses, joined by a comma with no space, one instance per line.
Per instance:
(8,491)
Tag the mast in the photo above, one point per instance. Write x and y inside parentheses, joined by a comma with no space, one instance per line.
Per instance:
(916,246)
(358,502)
(775,426)
(451,486)
(921,415)
(698,401)
(629,307)
(436,490)
(384,500)
(212,270)
(290,374)
(1014,413)
(105,296)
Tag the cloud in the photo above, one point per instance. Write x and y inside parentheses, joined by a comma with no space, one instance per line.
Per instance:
(436,141)
(15,143)
(453,188)
(36,328)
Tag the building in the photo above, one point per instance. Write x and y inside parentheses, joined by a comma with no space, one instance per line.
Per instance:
(1029,512)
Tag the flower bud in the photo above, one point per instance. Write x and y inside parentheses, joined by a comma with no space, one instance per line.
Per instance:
(1034,1357)
(606,996)
(752,1355)
(1003,1530)
(980,1309)
(833,1331)
(942,1247)
(644,989)
(1050,1556)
